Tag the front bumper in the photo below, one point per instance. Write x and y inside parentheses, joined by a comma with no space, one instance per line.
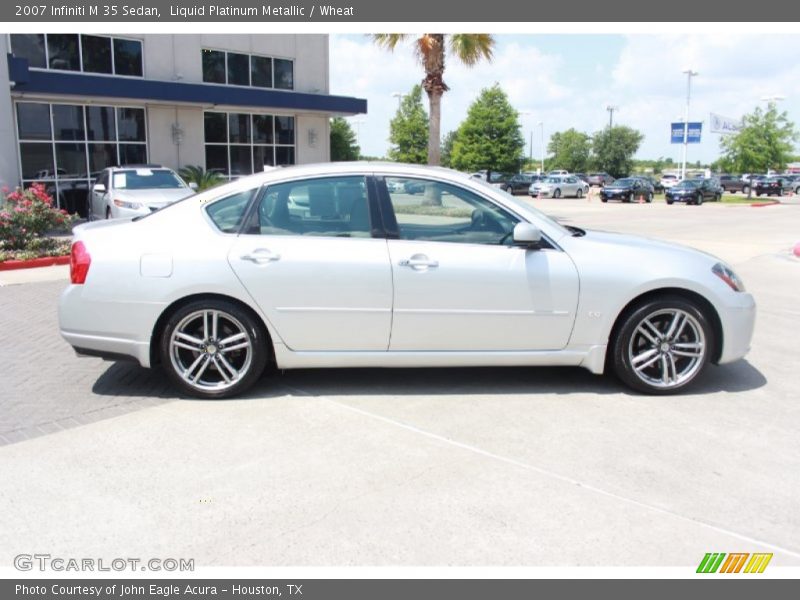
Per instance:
(620,195)
(738,321)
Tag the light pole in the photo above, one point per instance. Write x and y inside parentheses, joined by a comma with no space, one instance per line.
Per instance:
(399,97)
(527,113)
(541,125)
(611,108)
(689,74)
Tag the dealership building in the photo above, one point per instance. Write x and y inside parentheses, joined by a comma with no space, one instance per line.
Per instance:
(78,103)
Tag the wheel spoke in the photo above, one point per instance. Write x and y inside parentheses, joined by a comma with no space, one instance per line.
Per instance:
(189,338)
(244,344)
(664,370)
(186,346)
(650,362)
(677,324)
(205,325)
(697,354)
(688,345)
(187,373)
(232,338)
(233,372)
(673,367)
(203,368)
(214,323)
(647,334)
(644,356)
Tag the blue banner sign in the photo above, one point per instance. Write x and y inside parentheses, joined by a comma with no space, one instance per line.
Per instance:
(693,136)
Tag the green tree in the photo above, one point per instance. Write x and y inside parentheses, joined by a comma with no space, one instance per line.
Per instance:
(571,150)
(447,148)
(765,142)
(613,149)
(408,131)
(490,137)
(429,48)
(200,177)
(343,141)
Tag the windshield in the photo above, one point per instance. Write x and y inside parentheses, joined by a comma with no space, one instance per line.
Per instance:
(688,184)
(146,179)
(553,180)
(623,182)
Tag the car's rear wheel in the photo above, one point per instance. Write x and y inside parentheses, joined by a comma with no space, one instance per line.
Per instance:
(663,345)
(213,349)
(557,193)
(579,193)
(631,197)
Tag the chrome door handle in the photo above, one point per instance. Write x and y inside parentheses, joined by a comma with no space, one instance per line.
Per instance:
(419,262)
(261,256)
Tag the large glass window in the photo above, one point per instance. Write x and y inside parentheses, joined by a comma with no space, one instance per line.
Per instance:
(228,212)
(96,52)
(238,69)
(30,46)
(80,52)
(440,212)
(327,207)
(234,68)
(80,143)
(243,143)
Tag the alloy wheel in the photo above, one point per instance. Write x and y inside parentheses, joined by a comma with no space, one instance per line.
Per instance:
(667,349)
(211,350)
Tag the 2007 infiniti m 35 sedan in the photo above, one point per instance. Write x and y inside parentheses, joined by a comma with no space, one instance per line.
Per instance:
(336,265)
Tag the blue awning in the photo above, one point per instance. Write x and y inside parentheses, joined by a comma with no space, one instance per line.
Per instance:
(102,86)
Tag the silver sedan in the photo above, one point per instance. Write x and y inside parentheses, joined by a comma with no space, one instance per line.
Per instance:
(559,185)
(341,266)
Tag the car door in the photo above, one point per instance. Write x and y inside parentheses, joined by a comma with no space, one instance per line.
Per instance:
(308,257)
(461,285)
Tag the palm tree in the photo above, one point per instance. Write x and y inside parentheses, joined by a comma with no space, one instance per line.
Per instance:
(429,48)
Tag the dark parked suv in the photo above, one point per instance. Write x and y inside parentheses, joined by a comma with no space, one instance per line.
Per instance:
(693,191)
(768,186)
(733,184)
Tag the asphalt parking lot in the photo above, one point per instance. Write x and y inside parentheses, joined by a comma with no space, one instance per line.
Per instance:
(417,467)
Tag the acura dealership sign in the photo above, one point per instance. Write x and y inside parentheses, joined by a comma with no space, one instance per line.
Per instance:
(720,124)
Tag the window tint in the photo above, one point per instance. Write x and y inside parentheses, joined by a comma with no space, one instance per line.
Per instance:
(63,52)
(329,207)
(284,74)
(33,121)
(440,212)
(238,69)
(228,212)
(68,122)
(213,66)
(261,71)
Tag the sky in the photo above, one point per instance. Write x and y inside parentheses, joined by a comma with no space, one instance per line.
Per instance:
(568,81)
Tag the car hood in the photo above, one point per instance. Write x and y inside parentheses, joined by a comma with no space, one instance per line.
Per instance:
(625,246)
(154,197)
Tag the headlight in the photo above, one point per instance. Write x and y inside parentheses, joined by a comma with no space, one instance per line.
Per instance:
(124,204)
(727,275)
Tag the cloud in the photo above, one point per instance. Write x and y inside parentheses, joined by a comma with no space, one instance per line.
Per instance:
(567,81)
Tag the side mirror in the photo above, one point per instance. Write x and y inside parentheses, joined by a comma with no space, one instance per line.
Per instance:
(526,234)
(193,185)
(99,187)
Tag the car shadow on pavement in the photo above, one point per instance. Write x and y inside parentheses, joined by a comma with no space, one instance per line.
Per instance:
(129,379)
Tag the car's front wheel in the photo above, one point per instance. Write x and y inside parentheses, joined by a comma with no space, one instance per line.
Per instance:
(579,193)
(663,345)
(557,193)
(213,349)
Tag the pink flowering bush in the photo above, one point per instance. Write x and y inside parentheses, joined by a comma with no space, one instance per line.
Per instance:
(27,215)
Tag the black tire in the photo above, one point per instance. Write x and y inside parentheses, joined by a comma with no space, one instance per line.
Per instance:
(758,194)
(649,197)
(628,341)
(631,198)
(509,189)
(669,201)
(746,190)
(603,199)
(232,320)
(108,212)
(557,193)
(579,193)
(699,200)
(717,197)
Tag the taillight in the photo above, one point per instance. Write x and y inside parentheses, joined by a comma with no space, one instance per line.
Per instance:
(79,262)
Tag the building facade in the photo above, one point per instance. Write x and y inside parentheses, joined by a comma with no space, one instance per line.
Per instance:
(78,103)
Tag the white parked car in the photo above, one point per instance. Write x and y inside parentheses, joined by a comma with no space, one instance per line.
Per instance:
(559,185)
(135,190)
(327,266)
(668,180)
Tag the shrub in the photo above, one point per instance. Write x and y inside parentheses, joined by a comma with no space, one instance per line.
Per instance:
(28,214)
